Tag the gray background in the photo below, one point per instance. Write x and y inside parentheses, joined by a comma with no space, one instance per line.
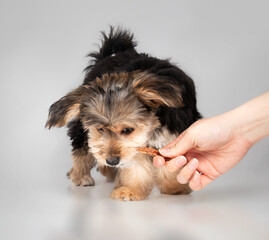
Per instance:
(222,45)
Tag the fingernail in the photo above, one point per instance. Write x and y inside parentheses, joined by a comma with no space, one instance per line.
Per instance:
(160,163)
(196,176)
(195,181)
(181,161)
(164,150)
(193,164)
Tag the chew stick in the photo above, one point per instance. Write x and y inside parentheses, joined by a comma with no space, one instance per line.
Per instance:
(151,152)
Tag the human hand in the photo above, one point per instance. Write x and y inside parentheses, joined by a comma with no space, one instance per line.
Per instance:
(211,147)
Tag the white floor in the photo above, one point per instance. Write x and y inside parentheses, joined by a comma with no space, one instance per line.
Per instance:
(229,208)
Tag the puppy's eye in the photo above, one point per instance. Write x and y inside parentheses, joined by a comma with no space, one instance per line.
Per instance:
(100,130)
(127,131)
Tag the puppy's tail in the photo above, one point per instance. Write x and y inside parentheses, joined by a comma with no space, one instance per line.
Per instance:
(118,40)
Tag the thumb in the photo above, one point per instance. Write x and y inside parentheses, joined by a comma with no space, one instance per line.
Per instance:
(180,146)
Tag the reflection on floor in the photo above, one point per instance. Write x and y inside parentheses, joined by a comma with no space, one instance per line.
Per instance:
(223,210)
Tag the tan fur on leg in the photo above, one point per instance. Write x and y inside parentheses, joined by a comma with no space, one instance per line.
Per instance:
(83,163)
(136,183)
(168,184)
(109,172)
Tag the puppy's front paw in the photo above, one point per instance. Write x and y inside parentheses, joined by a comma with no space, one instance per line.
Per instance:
(79,179)
(127,194)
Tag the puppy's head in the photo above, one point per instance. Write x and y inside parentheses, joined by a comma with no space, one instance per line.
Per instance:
(118,112)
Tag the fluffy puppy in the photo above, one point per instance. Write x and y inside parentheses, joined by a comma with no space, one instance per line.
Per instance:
(127,100)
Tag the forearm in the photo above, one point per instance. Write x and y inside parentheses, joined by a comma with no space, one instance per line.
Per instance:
(252,118)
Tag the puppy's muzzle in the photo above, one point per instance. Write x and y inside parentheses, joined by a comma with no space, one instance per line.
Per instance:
(113,161)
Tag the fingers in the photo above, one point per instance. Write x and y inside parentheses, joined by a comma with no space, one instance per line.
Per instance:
(176,163)
(179,146)
(158,161)
(187,172)
(195,181)
(172,165)
(198,182)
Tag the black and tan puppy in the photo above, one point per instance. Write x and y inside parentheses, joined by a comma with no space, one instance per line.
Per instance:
(127,100)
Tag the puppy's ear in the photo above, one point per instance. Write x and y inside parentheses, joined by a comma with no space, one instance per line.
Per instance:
(68,107)
(155,92)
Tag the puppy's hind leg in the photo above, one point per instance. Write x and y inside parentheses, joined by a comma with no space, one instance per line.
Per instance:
(168,184)
(83,161)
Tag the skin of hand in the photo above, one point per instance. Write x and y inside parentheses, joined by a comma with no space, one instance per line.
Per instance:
(212,146)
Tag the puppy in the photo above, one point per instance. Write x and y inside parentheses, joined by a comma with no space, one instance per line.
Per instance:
(127,100)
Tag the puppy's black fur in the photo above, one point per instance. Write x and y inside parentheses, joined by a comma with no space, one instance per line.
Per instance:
(127,100)
(117,54)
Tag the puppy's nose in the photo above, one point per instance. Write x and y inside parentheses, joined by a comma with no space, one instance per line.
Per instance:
(113,161)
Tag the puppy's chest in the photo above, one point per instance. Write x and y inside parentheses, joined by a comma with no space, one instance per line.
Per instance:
(161,137)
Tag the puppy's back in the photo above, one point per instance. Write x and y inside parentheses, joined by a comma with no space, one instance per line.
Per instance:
(118,54)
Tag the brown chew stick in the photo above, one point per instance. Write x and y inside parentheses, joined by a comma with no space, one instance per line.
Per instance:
(151,152)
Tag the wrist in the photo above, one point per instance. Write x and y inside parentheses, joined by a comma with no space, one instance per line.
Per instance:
(251,119)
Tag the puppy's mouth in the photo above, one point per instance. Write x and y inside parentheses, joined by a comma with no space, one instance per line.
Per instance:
(118,162)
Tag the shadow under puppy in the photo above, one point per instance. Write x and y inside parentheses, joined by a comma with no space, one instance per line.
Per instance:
(127,100)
